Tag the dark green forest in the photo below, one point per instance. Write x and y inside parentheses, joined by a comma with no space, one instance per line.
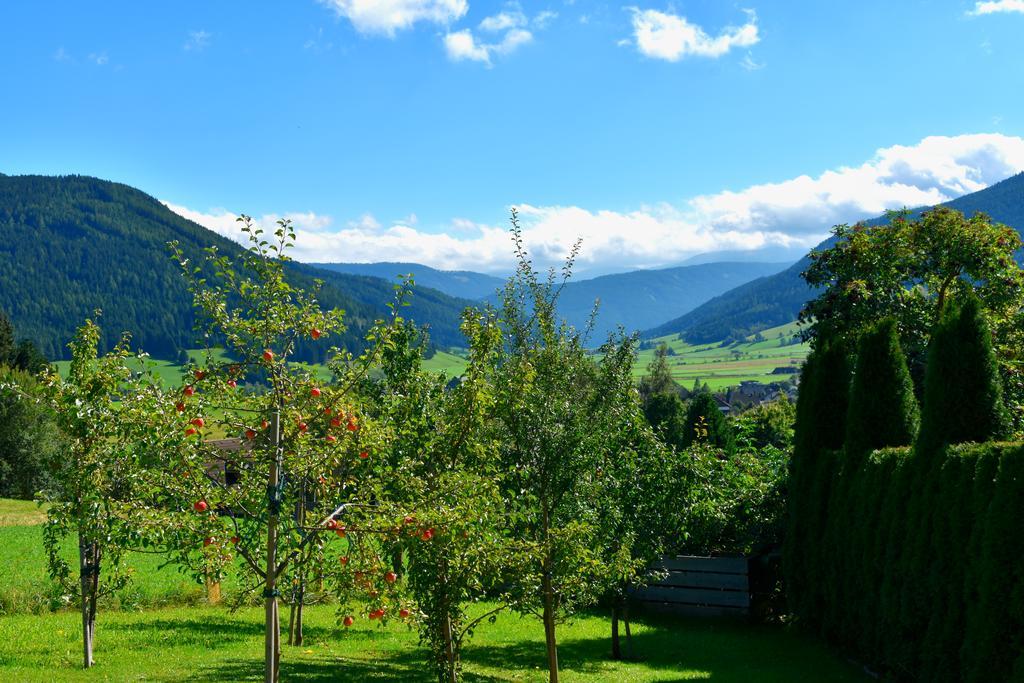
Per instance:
(74,244)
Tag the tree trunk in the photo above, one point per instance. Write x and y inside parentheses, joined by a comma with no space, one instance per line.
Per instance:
(629,634)
(83,575)
(616,649)
(299,594)
(89,576)
(451,658)
(549,627)
(272,635)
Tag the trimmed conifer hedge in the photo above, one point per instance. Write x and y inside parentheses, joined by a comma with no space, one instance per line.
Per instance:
(911,558)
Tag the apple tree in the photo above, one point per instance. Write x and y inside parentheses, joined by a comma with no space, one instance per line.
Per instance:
(100,492)
(280,500)
(443,470)
(559,413)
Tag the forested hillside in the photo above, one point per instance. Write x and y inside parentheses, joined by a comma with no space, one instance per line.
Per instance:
(74,244)
(777,299)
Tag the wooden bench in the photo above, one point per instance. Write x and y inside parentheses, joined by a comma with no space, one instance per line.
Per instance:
(704,586)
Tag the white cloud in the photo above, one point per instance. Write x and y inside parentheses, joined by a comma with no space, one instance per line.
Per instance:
(388,16)
(996,6)
(671,37)
(99,58)
(796,212)
(463,45)
(751,64)
(198,41)
(504,20)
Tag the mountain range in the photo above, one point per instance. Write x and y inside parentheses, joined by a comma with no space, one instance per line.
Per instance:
(74,244)
(634,300)
(777,299)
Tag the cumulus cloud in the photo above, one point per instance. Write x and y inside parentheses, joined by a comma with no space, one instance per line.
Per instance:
(464,45)
(997,6)
(662,35)
(793,213)
(389,16)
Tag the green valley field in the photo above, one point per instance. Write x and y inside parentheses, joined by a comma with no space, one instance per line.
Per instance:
(726,366)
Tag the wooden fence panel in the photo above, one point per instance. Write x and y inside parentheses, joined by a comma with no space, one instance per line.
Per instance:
(699,585)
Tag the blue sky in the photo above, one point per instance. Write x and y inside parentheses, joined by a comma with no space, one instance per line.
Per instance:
(406,129)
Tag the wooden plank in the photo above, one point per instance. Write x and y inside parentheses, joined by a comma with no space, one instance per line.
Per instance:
(720,565)
(693,610)
(704,580)
(695,596)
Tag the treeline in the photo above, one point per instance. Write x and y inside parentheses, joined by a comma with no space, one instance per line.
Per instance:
(72,245)
(28,438)
(905,540)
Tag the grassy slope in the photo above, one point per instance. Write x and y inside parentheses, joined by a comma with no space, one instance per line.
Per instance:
(721,368)
(210,644)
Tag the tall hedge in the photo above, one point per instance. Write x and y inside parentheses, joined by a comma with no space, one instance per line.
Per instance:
(820,418)
(883,411)
(963,395)
(915,563)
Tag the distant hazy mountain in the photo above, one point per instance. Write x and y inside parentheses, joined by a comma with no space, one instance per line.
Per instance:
(772,254)
(638,299)
(73,244)
(777,299)
(461,283)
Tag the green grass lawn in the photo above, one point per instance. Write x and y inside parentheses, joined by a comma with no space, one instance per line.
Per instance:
(723,367)
(172,642)
(210,644)
(26,588)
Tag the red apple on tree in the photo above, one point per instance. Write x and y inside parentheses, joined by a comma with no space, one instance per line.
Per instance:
(336,422)
(331,438)
(200,506)
(403,613)
(343,559)
(199,374)
(314,333)
(235,540)
(199,422)
(190,431)
(207,541)
(189,390)
(390,577)
(232,383)
(250,434)
(268,355)
(364,454)
(179,406)
(348,621)
(314,392)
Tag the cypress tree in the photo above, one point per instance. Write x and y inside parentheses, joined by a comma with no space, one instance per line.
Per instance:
(883,411)
(821,412)
(963,395)
(704,413)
